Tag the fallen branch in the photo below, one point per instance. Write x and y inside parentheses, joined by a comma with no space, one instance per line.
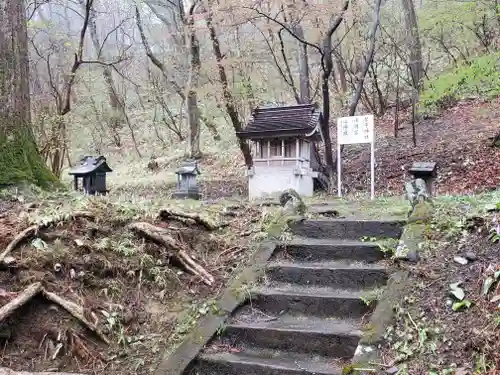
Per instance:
(7,371)
(24,297)
(162,237)
(76,311)
(168,214)
(33,230)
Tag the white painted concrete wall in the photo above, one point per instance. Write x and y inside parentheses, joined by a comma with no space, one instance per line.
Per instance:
(270,180)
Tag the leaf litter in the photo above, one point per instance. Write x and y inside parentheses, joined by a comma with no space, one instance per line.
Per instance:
(448,323)
(104,298)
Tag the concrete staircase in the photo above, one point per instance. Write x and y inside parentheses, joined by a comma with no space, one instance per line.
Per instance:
(306,317)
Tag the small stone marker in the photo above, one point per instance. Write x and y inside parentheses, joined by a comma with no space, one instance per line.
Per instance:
(427,171)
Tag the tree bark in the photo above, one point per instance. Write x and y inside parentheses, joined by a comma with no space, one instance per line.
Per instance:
(20,160)
(192,97)
(227,95)
(303,63)
(327,66)
(416,61)
(414,45)
(341,70)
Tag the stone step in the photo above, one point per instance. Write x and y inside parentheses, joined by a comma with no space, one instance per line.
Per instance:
(295,299)
(326,337)
(347,228)
(339,274)
(319,249)
(281,363)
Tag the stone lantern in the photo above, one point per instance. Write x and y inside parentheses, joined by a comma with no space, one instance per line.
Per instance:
(426,171)
(187,187)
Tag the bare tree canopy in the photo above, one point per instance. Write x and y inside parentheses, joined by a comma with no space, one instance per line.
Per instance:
(182,78)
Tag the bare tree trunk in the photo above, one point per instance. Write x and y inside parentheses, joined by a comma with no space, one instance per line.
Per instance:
(416,60)
(341,71)
(116,119)
(396,108)
(117,104)
(414,45)
(227,95)
(368,60)
(302,56)
(303,62)
(211,127)
(414,102)
(192,97)
(327,66)
(20,160)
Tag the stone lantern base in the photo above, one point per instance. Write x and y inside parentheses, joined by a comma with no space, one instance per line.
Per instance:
(187,194)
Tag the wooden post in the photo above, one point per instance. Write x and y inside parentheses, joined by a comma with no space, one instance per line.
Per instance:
(268,153)
(282,152)
(297,151)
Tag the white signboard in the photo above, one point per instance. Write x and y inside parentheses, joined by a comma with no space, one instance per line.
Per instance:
(354,130)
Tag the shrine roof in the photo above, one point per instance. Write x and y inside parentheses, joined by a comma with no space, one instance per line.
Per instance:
(295,120)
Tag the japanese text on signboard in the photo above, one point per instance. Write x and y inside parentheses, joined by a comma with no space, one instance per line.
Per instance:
(355,129)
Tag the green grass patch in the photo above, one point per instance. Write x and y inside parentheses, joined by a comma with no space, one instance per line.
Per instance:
(479,77)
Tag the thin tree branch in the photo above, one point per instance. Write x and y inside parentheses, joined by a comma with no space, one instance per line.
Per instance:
(77,60)
(262,14)
(109,34)
(154,59)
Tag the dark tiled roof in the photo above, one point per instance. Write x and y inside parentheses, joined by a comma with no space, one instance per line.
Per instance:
(188,168)
(90,164)
(287,120)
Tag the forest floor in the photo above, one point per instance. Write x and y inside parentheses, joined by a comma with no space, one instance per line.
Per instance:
(449,320)
(87,287)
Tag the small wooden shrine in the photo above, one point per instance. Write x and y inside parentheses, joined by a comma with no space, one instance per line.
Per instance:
(92,171)
(283,147)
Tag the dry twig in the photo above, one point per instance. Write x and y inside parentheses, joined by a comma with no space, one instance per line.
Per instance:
(162,237)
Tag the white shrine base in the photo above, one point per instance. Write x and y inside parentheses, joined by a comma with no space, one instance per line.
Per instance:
(268,181)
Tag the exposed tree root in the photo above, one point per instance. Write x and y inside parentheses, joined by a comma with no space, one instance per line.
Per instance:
(169,214)
(32,230)
(162,237)
(71,307)
(23,297)
(76,311)
(7,371)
